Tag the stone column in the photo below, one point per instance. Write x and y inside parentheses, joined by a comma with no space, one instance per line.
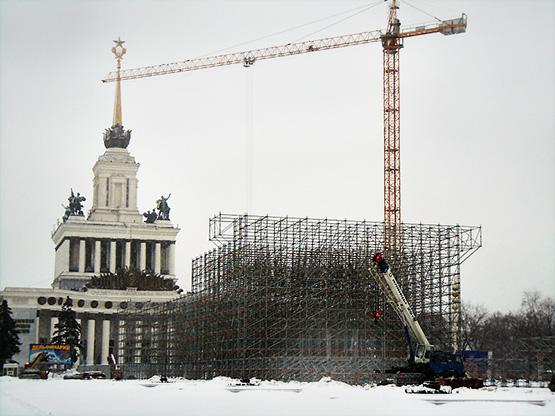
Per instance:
(37,330)
(53,322)
(157,257)
(127,254)
(142,258)
(81,256)
(105,341)
(171,259)
(97,256)
(112,256)
(62,258)
(90,341)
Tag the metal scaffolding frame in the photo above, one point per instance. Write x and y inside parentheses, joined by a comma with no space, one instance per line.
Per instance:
(529,358)
(291,298)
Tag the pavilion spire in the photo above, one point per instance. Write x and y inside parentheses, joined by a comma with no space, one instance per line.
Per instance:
(118,51)
(117,136)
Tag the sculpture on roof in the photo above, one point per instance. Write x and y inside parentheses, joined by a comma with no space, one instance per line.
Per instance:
(163,208)
(75,206)
(150,216)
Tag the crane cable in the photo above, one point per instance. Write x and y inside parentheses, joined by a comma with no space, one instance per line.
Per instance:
(420,10)
(249,137)
(363,7)
(249,129)
(339,21)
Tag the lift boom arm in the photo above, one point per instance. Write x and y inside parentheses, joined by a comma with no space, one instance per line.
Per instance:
(395,297)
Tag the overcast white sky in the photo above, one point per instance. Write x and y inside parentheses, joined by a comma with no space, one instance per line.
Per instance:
(477,125)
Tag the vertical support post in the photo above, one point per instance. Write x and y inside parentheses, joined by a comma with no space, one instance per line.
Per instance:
(112,256)
(127,254)
(90,341)
(105,341)
(142,258)
(81,256)
(392,133)
(37,329)
(456,292)
(157,258)
(65,253)
(171,258)
(392,148)
(97,257)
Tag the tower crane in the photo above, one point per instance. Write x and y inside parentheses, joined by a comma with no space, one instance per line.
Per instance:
(392,42)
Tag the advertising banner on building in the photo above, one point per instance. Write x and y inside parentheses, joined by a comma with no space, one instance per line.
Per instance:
(53,353)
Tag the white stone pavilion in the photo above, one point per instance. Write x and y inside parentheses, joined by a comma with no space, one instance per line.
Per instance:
(113,236)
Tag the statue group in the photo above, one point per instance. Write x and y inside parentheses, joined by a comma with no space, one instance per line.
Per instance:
(75,206)
(163,211)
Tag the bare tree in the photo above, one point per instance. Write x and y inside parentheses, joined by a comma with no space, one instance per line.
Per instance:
(473,319)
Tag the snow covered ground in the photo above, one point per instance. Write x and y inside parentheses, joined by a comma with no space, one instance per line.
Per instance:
(58,397)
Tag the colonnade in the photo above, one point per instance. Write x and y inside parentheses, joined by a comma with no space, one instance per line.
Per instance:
(156,263)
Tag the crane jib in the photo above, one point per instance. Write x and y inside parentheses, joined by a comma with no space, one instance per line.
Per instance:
(248,58)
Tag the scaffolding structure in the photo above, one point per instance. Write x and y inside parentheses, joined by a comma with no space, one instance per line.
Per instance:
(291,298)
(530,358)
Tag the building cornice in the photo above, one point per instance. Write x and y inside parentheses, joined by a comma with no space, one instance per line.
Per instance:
(20,297)
(115,230)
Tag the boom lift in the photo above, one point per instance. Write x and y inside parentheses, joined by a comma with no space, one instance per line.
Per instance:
(425,363)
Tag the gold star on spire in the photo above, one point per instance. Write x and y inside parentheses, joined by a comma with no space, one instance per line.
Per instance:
(119,42)
(119,50)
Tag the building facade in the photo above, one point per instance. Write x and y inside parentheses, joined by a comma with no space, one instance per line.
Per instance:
(113,236)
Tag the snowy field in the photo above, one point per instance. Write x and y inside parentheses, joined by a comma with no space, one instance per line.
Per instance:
(58,397)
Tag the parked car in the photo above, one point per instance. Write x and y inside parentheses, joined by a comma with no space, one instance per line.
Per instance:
(522,383)
(86,375)
(489,382)
(509,383)
(75,376)
(95,374)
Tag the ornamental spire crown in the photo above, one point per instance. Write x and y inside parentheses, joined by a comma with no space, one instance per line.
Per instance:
(117,136)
